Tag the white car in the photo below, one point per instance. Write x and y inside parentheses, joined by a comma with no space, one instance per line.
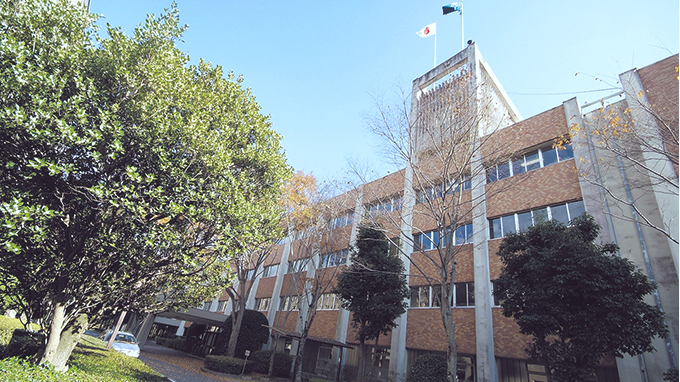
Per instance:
(124,343)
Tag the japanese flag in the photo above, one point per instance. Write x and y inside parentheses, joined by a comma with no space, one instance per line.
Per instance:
(428,31)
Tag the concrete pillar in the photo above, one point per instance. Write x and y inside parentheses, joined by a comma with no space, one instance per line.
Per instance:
(278,283)
(180,330)
(665,191)
(486,360)
(143,334)
(398,369)
(343,315)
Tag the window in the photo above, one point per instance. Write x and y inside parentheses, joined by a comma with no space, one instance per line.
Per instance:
(420,296)
(298,265)
(342,220)
(429,240)
(465,294)
(383,206)
(207,305)
(496,300)
(463,234)
(270,270)
(222,306)
(328,301)
(542,157)
(333,259)
(426,296)
(431,193)
(262,303)
(289,303)
(502,226)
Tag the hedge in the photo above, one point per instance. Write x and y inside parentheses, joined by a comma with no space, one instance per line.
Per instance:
(282,363)
(227,365)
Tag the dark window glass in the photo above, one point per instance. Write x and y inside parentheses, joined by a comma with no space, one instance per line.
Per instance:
(504,170)
(461,294)
(491,175)
(471,294)
(417,242)
(576,209)
(549,156)
(460,235)
(559,213)
(414,297)
(468,233)
(495,228)
(565,152)
(524,221)
(467,183)
(540,215)
(518,166)
(435,239)
(532,161)
(508,224)
(436,296)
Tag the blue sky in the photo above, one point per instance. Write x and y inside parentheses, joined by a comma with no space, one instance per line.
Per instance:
(314,66)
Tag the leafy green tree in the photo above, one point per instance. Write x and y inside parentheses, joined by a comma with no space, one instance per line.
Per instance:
(578,299)
(373,288)
(127,173)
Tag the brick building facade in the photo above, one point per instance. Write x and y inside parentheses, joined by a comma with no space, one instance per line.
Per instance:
(516,176)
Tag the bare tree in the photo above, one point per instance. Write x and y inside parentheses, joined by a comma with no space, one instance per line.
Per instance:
(314,258)
(248,265)
(443,138)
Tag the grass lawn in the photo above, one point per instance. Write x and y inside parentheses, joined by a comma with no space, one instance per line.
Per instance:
(90,362)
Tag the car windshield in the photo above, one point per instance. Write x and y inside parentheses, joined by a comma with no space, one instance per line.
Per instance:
(125,338)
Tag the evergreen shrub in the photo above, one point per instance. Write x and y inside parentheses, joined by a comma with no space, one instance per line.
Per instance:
(282,363)
(428,368)
(227,365)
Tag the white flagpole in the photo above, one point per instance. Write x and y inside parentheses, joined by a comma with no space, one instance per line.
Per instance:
(435,44)
(462,30)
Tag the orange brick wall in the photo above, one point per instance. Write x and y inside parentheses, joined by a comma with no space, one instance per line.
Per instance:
(426,331)
(549,185)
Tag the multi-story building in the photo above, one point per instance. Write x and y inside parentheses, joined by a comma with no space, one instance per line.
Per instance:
(553,165)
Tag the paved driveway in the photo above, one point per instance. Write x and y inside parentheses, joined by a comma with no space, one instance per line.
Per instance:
(177,365)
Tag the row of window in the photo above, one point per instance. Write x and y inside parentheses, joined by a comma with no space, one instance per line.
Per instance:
(504,225)
(328,301)
(429,240)
(298,265)
(530,161)
(270,270)
(427,296)
(333,259)
(289,303)
(384,206)
(342,220)
(440,190)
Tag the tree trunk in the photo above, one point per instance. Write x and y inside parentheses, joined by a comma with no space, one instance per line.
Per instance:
(48,354)
(235,330)
(297,373)
(546,361)
(116,328)
(361,368)
(271,358)
(58,354)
